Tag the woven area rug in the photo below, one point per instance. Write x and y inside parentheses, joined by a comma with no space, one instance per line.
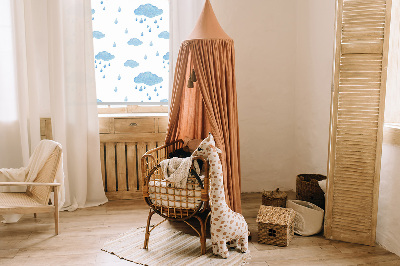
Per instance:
(167,247)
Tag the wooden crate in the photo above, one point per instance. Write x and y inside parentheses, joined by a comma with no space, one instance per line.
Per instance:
(123,141)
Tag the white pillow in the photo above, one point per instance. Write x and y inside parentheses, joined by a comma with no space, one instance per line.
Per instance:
(322,184)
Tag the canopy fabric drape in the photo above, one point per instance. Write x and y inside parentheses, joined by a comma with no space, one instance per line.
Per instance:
(211,106)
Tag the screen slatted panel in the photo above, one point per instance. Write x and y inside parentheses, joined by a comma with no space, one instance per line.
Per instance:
(358,96)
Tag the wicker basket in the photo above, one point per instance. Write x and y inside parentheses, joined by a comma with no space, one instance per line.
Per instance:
(274,198)
(275,225)
(308,189)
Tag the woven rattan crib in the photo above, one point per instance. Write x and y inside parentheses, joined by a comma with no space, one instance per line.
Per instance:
(170,202)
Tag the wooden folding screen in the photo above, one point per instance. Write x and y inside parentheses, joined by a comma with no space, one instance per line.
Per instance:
(358,96)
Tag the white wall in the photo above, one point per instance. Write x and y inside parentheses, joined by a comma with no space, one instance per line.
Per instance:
(284,52)
(388,227)
(314,60)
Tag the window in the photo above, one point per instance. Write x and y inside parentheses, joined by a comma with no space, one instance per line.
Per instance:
(131,48)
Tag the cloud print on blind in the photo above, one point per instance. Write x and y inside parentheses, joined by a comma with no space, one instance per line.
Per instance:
(131,43)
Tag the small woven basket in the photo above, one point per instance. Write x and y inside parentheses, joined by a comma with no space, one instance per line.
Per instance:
(308,189)
(274,198)
(275,225)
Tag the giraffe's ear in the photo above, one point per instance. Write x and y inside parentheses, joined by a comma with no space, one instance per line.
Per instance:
(216,149)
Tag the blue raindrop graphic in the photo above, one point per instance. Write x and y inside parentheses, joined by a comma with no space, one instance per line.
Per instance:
(141,20)
(101,70)
(104,8)
(151,43)
(145,57)
(150,30)
(141,34)
(93,11)
(104,76)
(126,99)
(157,54)
(101,2)
(116,89)
(119,9)
(119,77)
(116,21)
(126,30)
(114,45)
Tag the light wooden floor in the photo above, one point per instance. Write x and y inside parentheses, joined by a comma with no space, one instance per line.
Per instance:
(83,232)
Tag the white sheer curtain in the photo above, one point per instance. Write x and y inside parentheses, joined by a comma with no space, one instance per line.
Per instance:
(54,76)
(183,18)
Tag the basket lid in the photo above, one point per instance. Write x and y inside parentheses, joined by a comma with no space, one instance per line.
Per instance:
(275,194)
(275,215)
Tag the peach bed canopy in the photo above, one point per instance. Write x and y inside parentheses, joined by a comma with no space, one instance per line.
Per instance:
(211,104)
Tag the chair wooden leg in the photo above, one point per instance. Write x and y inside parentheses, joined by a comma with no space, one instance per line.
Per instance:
(56,211)
(34,215)
(147,235)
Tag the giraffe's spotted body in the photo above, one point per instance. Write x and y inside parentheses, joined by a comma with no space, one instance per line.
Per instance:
(226,225)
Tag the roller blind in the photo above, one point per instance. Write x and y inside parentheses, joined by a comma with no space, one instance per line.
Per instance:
(358,97)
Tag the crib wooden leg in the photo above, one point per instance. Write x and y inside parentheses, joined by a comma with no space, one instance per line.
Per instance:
(147,235)
(203,236)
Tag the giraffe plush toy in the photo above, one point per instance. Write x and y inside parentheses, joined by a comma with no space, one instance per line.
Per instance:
(226,225)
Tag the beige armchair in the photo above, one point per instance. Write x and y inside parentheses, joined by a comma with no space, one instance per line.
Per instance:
(36,197)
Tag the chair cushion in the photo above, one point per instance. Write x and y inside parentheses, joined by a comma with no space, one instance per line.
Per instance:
(16,199)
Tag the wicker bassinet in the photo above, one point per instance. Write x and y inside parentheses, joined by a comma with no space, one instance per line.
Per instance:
(175,203)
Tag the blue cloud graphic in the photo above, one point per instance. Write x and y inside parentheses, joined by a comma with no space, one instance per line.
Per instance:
(166,56)
(105,56)
(131,63)
(164,35)
(98,35)
(135,42)
(148,78)
(148,10)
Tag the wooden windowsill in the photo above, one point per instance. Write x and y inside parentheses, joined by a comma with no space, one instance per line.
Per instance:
(127,115)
